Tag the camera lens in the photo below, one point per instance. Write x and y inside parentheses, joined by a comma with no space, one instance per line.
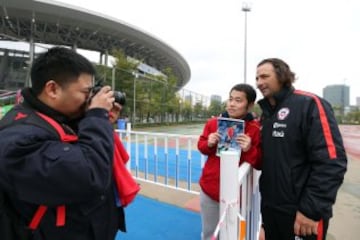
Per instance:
(119,97)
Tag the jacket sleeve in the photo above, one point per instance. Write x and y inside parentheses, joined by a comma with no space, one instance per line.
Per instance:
(44,170)
(210,127)
(253,155)
(327,158)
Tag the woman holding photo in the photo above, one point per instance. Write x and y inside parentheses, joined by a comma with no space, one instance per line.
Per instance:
(241,100)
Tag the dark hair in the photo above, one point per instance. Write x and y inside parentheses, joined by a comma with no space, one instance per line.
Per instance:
(247,89)
(282,70)
(59,64)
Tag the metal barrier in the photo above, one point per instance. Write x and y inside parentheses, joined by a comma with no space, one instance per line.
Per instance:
(167,159)
(250,200)
(240,217)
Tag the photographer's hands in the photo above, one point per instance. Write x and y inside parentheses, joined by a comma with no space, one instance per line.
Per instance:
(103,99)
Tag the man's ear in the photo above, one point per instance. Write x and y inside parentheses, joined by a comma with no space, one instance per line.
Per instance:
(51,89)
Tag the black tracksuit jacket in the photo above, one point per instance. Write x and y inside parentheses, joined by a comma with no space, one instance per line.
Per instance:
(36,168)
(304,160)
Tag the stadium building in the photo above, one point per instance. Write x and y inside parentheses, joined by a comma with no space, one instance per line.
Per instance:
(37,22)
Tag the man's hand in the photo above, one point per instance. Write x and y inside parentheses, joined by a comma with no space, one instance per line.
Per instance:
(304,226)
(103,99)
(262,233)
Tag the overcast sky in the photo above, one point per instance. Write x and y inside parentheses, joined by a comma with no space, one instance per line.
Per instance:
(319,39)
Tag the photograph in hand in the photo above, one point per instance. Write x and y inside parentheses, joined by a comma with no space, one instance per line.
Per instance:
(229,129)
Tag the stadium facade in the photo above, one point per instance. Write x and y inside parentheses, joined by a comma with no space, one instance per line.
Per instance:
(54,23)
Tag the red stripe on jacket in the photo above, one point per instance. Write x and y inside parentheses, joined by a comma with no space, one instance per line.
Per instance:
(324,123)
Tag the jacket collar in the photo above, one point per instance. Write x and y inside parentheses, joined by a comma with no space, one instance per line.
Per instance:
(279,98)
(30,100)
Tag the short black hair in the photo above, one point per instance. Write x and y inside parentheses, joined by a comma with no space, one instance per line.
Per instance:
(60,64)
(247,89)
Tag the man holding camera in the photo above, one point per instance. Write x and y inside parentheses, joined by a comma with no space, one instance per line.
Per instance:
(56,153)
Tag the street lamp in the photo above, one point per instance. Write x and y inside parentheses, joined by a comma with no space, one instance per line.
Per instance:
(113,77)
(245,8)
(135,74)
(180,109)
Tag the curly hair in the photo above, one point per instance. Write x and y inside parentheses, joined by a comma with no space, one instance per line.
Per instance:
(282,70)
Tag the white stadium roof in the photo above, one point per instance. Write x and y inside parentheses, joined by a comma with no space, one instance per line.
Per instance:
(56,23)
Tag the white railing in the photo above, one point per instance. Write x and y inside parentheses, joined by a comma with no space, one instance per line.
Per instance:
(167,159)
(239,216)
(250,200)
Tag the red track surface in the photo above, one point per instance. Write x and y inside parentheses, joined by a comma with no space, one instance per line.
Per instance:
(351,137)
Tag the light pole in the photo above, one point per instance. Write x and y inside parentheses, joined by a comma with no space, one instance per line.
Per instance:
(134,96)
(180,109)
(245,8)
(113,77)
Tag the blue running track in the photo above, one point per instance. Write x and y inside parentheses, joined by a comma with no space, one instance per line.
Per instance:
(171,158)
(150,219)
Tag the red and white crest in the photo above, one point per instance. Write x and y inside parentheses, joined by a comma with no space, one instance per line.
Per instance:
(283,113)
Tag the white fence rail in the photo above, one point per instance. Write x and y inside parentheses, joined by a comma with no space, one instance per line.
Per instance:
(171,160)
(243,220)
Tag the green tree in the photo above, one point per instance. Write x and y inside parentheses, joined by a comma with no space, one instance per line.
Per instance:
(124,78)
(198,110)
(353,117)
(257,110)
(164,93)
(187,110)
(215,108)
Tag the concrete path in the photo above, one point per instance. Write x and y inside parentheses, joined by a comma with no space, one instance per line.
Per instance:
(345,224)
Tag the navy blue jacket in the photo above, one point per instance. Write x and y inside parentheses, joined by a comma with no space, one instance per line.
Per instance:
(304,160)
(36,168)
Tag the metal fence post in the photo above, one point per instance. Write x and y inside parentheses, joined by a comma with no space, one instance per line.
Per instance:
(128,143)
(229,194)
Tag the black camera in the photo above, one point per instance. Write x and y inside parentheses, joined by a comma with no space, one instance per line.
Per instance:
(119,96)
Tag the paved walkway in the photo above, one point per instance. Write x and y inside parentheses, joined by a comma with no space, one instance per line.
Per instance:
(345,224)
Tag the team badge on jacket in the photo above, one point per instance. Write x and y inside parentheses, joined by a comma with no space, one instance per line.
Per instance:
(283,113)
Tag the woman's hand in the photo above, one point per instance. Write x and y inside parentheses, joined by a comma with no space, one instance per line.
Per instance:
(213,139)
(244,142)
